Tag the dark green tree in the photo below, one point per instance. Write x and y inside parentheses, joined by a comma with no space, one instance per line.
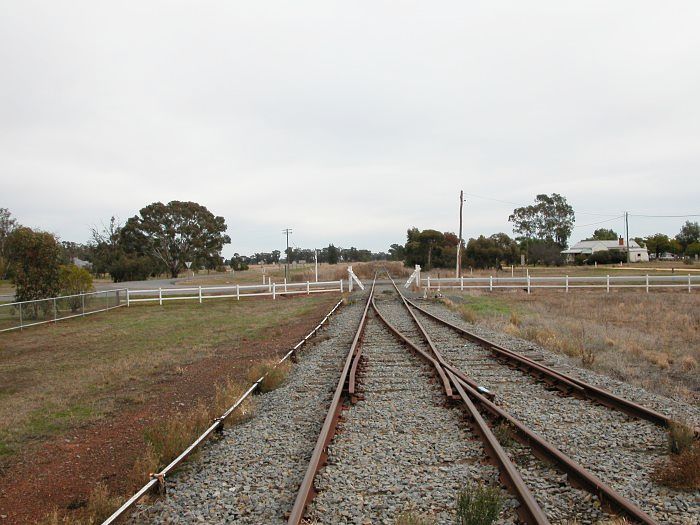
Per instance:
(658,244)
(36,259)
(7,226)
(604,234)
(690,233)
(174,233)
(550,219)
(397,252)
(333,254)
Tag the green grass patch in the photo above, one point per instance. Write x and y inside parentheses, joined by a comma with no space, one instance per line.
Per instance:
(5,449)
(488,305)
(48,422)
(62,376)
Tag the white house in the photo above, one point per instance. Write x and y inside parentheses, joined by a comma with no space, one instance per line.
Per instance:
(637,253)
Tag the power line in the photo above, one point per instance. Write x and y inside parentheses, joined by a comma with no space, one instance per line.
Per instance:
(523,205)
(599,222)
(670,216)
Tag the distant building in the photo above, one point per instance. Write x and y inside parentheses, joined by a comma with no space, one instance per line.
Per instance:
(637,253)
(81,264)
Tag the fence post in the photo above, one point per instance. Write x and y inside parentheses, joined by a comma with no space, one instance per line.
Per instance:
(567,284)
(461,284)
(200,295)
(647,283)
(82,296)
(274,290)
(528,283)
(21,324)
(428,282)
(490,283)
(55,311)
(238,292)
(607,285)
(308,288)
(341,286)
(160,296)
(127,298)
(285,285)
(689,285)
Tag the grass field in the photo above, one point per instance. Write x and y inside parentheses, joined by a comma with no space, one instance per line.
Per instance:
(650,340)
(56,377)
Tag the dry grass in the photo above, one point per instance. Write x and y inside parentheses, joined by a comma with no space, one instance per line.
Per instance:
(55,378)
(411,517)
(646,339)
(273,374)
(680,471)
(99,506)
(167,439)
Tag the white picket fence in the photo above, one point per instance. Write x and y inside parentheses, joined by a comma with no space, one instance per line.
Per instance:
(238,291)
(565,282)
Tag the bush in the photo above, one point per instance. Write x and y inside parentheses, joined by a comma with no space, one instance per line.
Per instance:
(274,374)
(478,505)
(74,280)
(35,258)
(680,437)
(131,268)
(607,257)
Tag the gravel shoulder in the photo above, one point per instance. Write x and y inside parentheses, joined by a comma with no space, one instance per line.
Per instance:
(622,451)
(251,475)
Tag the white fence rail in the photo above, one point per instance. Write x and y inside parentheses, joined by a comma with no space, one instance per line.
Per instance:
(21,314)
(565,282)
(238,291)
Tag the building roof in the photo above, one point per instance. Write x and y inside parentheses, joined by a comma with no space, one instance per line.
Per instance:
(595,246)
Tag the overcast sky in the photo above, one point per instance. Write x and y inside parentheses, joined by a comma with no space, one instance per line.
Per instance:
(349,121)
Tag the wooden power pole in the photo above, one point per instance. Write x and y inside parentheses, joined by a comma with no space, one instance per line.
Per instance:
(458,271)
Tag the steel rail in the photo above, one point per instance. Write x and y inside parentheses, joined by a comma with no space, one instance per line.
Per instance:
(543,449)
(157,481)
(529,510)
(595,393)
(320,452)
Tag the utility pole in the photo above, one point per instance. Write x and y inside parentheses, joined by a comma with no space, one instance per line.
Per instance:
(287,231)
(627,234)
(458,271)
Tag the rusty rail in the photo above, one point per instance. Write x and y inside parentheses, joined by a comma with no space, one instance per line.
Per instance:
(157,481)
(540,371)
(529,511)
(319,455)
(543,449)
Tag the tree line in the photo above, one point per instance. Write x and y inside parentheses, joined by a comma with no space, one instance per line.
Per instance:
(542,230)
(161,238)
(331,254)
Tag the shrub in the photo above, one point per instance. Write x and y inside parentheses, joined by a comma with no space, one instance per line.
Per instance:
(74,280)
(680,471)
(131,268)
(35,258)
(478,505)
(680,437)
(272,373)
(468,314)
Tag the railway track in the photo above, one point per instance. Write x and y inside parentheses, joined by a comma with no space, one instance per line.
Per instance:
(373,478)
(416,409)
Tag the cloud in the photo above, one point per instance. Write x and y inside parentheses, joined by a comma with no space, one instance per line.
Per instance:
(347,122)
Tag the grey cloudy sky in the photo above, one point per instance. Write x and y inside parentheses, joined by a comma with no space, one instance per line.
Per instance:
(349,121)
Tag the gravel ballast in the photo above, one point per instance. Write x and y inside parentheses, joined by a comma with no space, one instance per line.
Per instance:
(251,475)
(620,450)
